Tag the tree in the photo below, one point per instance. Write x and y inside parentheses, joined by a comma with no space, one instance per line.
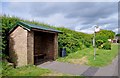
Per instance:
(104,35)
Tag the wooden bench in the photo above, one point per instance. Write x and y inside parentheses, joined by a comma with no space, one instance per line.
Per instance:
(39,55)
(36,55)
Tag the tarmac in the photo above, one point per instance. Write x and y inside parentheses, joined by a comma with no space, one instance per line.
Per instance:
(82,70)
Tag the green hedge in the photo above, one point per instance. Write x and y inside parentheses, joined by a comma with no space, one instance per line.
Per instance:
(104,35)
(73,41)
(107,46)
(99,43)
(70,39)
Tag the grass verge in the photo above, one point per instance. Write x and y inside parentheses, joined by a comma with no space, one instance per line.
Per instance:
(86,56)
(29,70)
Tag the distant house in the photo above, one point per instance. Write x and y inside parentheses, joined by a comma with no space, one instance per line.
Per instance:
(29,43)
(116,39)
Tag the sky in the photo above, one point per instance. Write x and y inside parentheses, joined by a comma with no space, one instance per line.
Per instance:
(78,16)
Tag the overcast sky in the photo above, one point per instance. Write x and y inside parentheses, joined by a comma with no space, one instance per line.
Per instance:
(78,16)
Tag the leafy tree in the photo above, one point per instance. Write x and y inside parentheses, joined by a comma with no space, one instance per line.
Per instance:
(104,35)
(107,46)
(117,34)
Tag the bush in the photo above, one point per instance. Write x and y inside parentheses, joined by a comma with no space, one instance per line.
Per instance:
(70,39)
(104,35)
(5,68)
(88,44)
(107,46)
(99,43)
(118,41)
(73,41)
(4,56)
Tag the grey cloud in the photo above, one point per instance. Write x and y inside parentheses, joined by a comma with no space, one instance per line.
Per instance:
(87,13)
(74,10)
(95,10)
(46,9)
(93,15)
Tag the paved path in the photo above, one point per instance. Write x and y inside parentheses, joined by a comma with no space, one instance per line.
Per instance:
(110,70)
(67,68)
(76,69)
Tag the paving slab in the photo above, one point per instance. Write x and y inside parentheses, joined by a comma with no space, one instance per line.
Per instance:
(110,70)
(90,71)
(73,69)
(82,70)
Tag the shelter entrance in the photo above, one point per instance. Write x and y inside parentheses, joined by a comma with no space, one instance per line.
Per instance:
(43,46)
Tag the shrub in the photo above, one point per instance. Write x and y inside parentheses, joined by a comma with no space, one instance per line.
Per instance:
(73,40)
(4,56)
(5,68)
(70,39)
(107,46)
(88,44)
(118,41)
(99,43)
(68,50)
(105,35)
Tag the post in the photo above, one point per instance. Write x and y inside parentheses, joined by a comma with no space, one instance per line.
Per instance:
(96,29)
(94,45)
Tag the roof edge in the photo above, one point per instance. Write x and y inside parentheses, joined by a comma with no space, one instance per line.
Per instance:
(27,27)
(24,25)
(21,25)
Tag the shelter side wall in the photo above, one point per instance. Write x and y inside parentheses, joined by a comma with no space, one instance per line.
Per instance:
(30,47)
(18,46)
(37,43)
(50,46)
(55,46)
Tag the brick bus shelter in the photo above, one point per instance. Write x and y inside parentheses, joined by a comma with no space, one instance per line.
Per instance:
(29,44)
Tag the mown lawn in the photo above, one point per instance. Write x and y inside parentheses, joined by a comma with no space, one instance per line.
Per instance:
(29,70)
(86,56)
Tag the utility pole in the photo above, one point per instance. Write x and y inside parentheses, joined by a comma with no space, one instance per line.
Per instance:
(96,29)
(94,44)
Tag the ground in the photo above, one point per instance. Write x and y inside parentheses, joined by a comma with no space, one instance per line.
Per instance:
(86,56)
(82,70)
(82,63)
(29,70)
(77,63)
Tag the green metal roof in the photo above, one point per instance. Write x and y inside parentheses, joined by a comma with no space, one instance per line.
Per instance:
(32,26)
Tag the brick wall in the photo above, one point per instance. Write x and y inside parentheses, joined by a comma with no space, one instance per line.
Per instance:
(30,47)
(50,46)
(55,46)
(22,48)
(46,43)
(18,46)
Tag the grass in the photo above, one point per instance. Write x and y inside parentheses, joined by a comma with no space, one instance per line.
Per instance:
(103,57)
(86,56)
(29,70)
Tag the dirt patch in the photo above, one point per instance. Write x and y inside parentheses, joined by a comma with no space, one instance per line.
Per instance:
(55,74)
(81,61)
